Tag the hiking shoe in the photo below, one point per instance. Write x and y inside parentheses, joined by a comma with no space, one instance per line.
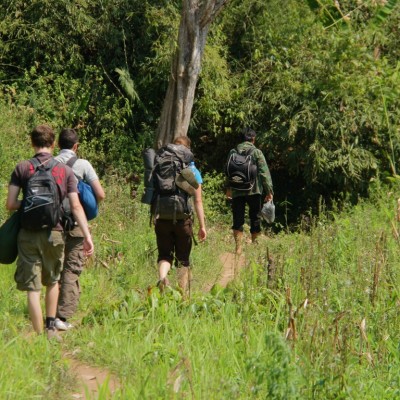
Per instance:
(62,325)
(53,335)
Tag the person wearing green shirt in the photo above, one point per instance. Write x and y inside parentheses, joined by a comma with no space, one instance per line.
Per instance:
(262,191)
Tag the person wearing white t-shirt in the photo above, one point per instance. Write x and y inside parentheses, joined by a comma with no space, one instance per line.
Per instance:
(70,290)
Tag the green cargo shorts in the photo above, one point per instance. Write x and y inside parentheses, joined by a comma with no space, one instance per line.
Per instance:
(40,259)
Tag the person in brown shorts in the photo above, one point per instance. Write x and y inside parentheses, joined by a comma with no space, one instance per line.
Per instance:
(41,252)
(174,238)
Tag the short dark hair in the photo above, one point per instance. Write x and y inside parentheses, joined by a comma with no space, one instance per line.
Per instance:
(68,137)
(248,134)
(42,136)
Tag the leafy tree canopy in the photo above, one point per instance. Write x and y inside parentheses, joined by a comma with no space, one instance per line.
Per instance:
(318,80)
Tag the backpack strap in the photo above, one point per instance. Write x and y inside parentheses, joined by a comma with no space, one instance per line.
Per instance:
(49,163)
(52,163)
(71,161)
(35,163)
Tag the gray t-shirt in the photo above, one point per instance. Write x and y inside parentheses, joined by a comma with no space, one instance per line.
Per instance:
(82,168)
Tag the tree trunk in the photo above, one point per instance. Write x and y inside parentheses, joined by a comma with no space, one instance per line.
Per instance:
(197,15)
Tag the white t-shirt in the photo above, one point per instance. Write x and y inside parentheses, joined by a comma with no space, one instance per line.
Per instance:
(82,168)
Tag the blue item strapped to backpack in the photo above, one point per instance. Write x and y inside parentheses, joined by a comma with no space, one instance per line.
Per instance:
(86,195)
(88,200)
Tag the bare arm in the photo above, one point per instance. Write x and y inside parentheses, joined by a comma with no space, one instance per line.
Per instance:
(12,202)
(198,206)
(80,218)
(98,190)
(268,197)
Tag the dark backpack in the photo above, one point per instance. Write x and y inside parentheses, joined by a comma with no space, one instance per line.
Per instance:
(169,201)
(41,204)
(87,198)
(241,170)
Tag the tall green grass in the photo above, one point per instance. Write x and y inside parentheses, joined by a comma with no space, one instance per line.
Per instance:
(337,282)
(313,315)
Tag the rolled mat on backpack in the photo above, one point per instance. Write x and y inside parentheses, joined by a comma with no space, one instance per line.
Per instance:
(186,181)
(148,162)
(190,177)
(8,239)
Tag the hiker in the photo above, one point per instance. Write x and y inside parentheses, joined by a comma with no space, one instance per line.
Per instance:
(74,259)
(40,239)
(174,227)
(261,190)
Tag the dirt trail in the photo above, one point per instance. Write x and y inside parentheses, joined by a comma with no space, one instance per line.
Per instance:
(231,264)
(90,379)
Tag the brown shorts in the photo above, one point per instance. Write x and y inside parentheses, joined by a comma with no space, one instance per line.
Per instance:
(40,259)
(174,241)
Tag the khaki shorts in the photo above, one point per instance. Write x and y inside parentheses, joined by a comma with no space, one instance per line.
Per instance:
(40,259)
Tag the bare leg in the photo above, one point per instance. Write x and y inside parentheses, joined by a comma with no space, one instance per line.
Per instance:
(35,310)
(51,300)
(163,268)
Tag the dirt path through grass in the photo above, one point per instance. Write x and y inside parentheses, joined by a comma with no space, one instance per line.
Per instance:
(91,380)
(231,264)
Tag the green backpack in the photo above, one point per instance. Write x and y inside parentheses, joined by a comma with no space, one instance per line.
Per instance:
(8,239)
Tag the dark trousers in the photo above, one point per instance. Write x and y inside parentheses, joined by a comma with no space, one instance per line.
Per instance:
(254,202)
(174,241)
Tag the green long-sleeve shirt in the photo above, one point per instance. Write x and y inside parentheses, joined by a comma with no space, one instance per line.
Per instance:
(263,184)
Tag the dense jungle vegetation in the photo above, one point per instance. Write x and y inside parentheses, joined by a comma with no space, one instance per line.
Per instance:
(323,323)
(319,80)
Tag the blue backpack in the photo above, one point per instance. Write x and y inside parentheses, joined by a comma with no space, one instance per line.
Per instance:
(86,197)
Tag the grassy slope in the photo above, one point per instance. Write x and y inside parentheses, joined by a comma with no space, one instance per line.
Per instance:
(227,343)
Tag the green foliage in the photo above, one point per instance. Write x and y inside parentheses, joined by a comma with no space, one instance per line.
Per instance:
(127,84)
(321,104)
(273,373)
(385,10)
(215,203)
(322,91)
(319,81)
(14,146)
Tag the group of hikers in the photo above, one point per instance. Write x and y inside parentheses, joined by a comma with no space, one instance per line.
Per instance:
(52,252)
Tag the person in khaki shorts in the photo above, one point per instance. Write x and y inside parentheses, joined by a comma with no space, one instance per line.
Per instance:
(74,260)
(41,252)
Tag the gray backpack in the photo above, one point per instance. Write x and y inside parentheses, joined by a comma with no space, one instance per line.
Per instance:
(169,201)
